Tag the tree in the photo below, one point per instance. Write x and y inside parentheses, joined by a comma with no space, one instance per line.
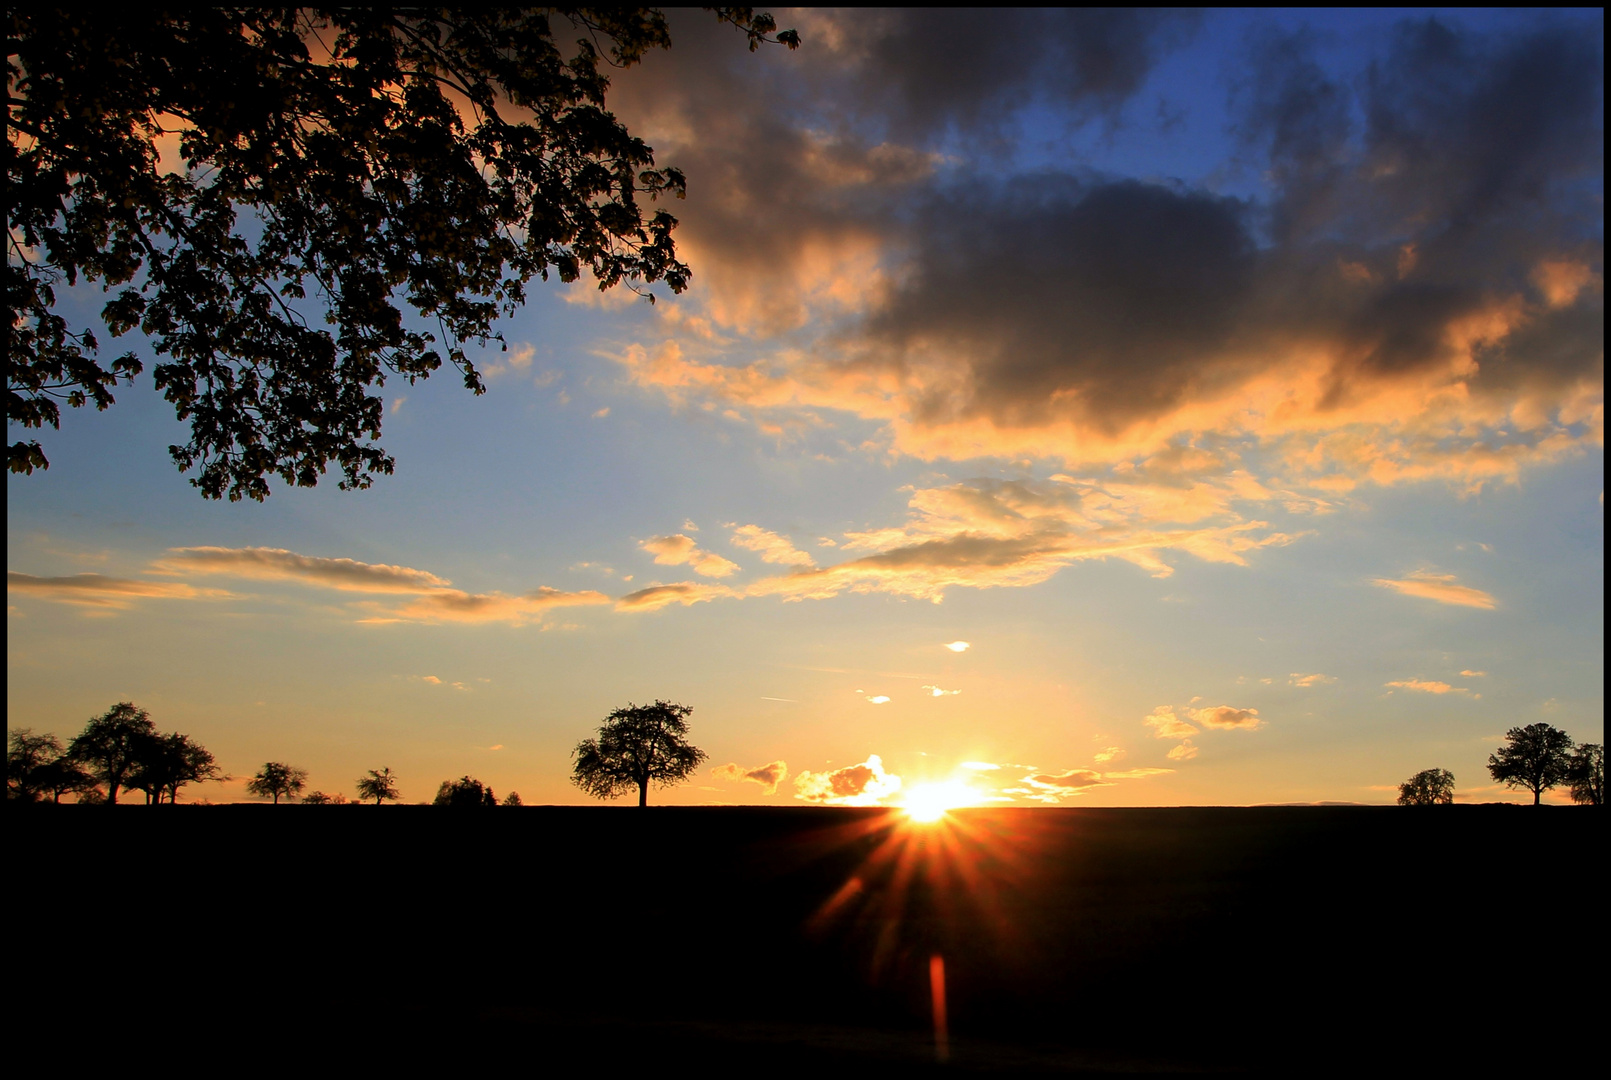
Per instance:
(379,786)
(27,757)
(1536,759)
(277,779)
(1585,772)
(1429,787)
(166,763)
(512,799)
(110,745)
(465,791)
(332,166)
(315,798)
(637,745)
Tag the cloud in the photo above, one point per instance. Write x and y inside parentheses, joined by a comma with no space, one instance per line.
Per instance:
(772,547)
(1317,679)
(681,550)
(1439,587)
(958,646)
(1070,779)
(277,564)
(1136,774)
(769,776)
(1166,725)
(1428,686)
(1107,754)
(1227,718)
(100,591)
(655,597)
(516,360)
(863,784)
(979,766)
(1184,752)
(432,679)
(879,699)
(454,606)
(1474,674)
(1380,316)
(935,691)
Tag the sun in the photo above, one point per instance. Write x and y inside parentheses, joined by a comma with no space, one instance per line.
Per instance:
(929,802)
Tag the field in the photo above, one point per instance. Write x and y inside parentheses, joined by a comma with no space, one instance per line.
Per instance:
(1301,940)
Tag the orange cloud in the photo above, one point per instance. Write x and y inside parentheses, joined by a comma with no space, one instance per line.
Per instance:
(452,605)
(771,547)
(680,550)
(1227,718)
(1439,587)
(1305,681)
(1184,752)
(98,590)
(769,776)
(863,784)
(1166,725)
(277,564)
(655,597)
(1428,686)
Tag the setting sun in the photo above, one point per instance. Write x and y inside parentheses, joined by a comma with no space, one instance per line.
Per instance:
(929,802)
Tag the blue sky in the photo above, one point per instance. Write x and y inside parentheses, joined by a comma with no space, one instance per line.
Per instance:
(1247,379)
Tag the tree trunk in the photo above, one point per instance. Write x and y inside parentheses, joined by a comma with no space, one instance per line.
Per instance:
(1537,793)
(643,793)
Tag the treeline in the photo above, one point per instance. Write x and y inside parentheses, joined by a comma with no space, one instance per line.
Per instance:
(1537,757)
(121,750)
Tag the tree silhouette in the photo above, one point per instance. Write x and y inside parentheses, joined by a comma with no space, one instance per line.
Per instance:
(637,745)
(166,763)
(277,779)
(379,786)
(27,757)
(1585,772)
(465,791)
(512,799)
(1429,787)
(110,745)
(333,166)
(315,798)
(1536,759)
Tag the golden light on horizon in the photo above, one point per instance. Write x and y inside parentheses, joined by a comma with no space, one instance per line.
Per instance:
(929,802)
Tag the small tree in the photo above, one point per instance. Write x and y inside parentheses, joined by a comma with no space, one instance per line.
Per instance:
(1585,772)
(278,779)
(379,786)
(315,798)
(465,791)
(637,745)
(512,799)
(1429,787)
(110,745)
(1536,758)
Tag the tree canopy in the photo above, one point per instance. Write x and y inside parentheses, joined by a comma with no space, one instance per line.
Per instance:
(1429,787)
(294,204)
(1585,774)
(277,780)
(111,744)
(635,746)
(379,786)
(465,791)
(1535,757)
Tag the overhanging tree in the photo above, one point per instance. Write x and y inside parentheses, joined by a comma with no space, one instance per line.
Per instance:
(1536,757)
(292,204)
(637,746)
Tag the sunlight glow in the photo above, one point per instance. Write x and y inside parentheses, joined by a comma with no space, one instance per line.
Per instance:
(929,802)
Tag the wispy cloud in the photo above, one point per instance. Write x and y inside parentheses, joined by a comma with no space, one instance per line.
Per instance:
(1166,725)
(935,691)
(1300,680)
(1440,587)
(770,546)
(1428,686)
(1227,718)
(100,591)
(655,597)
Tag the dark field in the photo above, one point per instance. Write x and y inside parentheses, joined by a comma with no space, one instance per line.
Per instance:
(766,941)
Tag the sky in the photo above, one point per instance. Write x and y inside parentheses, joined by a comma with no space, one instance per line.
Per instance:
(1074,408)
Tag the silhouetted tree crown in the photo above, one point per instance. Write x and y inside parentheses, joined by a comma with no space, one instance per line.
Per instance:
(277,780)
(379,786)
(637,745)
(1535,757)
(37,766)
(110,745)
(465,791)
(166,763)
(1585,773)
(333,167)
(1429,787)
(512,799)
